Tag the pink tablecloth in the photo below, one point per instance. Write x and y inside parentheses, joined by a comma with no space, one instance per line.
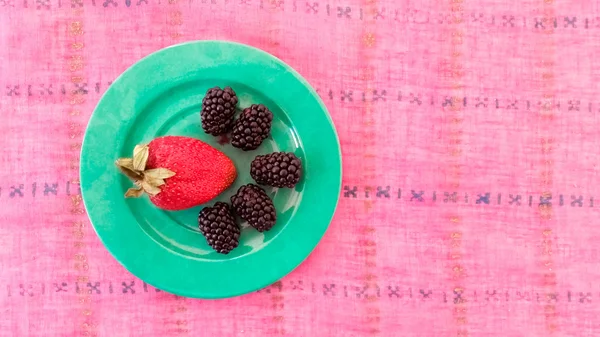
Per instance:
(469,130)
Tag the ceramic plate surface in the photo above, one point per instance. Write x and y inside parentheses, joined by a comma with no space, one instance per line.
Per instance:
(161,95)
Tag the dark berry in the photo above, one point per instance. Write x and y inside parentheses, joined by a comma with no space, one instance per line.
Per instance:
(279,169)
(252,127)
(252,204)
(218,108)
(218,226)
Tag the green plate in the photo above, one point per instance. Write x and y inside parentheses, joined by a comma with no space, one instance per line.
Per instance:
(161,95)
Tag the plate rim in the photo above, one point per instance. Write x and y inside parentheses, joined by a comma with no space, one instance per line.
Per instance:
(300,79)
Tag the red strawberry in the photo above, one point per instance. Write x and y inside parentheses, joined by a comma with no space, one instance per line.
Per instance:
(178,172)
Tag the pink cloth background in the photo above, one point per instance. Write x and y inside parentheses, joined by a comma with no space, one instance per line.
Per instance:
(469,130)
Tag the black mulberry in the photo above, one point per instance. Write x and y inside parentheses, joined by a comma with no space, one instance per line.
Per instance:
(279,169)
(252,127)
(218,109)
(252,204)
(218,226)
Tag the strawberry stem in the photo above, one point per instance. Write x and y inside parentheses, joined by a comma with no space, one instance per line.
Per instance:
(145,180)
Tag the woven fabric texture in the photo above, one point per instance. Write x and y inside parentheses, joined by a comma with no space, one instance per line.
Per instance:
(469,132)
